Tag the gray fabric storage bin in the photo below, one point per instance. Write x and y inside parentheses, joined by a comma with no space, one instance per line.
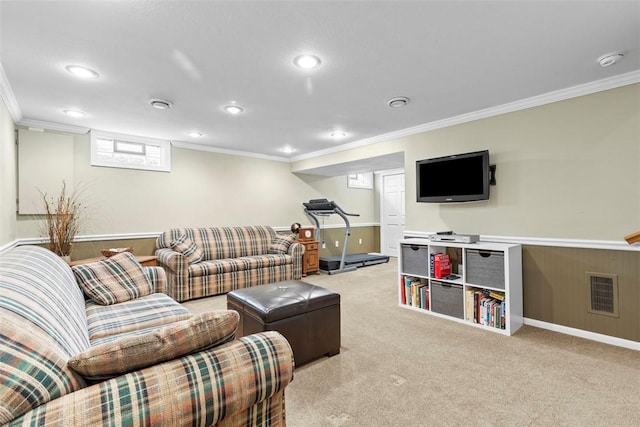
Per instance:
(447,299)
(485,268)
(415,260)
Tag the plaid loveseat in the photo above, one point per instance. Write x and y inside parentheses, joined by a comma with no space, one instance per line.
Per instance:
(201,262)
(45,322)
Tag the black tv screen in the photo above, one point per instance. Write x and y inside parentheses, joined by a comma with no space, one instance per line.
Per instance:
(456,178)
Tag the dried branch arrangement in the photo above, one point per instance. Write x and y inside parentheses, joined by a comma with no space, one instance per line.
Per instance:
(64,216)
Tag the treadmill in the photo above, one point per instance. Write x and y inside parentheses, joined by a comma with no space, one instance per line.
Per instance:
(316,208)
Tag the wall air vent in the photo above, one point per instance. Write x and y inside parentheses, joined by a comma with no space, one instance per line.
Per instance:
(603,294)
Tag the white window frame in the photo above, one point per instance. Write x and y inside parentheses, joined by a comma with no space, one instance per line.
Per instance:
(360,180)
(130,152)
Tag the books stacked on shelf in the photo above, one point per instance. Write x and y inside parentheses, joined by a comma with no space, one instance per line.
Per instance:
(486,307)
(414,292)
(440,264)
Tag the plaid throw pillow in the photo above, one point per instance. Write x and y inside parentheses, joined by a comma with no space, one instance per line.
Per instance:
(280,244)
(130,353)
(113,280)
(188,248)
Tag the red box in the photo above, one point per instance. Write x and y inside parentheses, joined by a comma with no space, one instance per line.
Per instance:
(441,265)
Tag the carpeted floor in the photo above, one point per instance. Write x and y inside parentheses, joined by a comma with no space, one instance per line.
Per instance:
(402,368)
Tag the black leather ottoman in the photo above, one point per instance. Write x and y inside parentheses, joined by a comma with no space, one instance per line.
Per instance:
(307,315)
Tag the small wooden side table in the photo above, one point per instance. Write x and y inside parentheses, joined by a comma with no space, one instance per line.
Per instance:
(145,260)
(310,260)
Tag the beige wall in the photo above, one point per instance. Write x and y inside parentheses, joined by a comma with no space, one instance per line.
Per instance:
(567,170)
(351,200)
(203,189)
(7,177)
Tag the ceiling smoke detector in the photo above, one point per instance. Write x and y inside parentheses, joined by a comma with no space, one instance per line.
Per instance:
(398,102)
(610,59)
(161,104)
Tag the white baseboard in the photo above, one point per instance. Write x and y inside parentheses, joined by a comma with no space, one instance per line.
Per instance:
(606,339)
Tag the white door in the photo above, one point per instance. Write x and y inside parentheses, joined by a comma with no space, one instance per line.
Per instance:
(392,213)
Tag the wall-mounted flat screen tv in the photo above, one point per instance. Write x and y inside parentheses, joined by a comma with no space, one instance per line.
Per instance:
(456,178)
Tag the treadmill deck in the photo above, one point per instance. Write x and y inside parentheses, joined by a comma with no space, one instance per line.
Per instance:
(354,260)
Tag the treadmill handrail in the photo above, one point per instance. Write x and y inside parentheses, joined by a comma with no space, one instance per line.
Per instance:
(350,214)
(329,212)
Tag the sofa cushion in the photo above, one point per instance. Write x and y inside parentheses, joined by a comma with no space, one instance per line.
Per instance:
(280,244)
(223,242)
(113,280)
(141,313)
(221,266)
(188,248)
(138,351)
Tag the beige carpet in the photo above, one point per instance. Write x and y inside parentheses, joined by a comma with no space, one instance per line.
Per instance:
(402,368)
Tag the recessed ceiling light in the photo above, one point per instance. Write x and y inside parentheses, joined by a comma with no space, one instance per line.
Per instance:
(83,72)
(610,59)
(195,134)
(161,104)
(73,113)
(287,149)
(306,61)
(398,102)
(338,134)
(234,109)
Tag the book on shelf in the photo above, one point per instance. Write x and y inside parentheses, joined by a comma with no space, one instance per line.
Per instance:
(441,265)
(484,309)
(414,292)
(496,295)
(431,267)
(407,288)
(469,305)
(424,297)
(410,291)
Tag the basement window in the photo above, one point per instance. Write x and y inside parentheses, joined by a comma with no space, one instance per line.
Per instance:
(130,152)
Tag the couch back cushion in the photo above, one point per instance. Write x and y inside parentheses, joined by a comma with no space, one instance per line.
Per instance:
(223,242)
(42,325)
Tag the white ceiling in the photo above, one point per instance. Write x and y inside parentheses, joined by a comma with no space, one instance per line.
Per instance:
(450,58)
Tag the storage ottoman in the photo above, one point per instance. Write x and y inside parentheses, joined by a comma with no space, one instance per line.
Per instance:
(307,315)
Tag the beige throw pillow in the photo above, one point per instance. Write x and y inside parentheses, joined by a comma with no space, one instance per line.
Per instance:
(188,248)
(139,351)
(116,279)
(281,244)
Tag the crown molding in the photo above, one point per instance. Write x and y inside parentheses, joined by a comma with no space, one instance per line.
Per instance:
(560,95)
(535,101)
(58,127)
(200,147)
(6,93)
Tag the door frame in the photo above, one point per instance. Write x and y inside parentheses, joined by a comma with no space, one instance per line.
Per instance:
(381,175)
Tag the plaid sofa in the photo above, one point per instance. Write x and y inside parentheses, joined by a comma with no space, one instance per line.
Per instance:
(45,322)
(201,262)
